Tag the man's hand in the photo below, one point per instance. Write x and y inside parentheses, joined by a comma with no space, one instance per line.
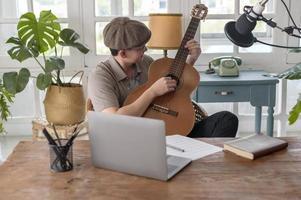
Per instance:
(163,85)
(194,51)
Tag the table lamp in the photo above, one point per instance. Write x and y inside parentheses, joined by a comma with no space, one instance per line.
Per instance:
(166,31)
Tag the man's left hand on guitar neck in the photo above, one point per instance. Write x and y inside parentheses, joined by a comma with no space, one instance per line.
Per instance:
(194,51)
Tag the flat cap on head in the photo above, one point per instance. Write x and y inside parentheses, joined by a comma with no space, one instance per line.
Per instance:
(124,33)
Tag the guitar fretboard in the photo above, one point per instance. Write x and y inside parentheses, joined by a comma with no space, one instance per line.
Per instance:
(178,64)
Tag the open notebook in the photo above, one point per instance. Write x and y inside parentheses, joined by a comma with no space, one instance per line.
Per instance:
(178,145)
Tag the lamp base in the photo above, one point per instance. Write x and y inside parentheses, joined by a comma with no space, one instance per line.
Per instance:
(165,53)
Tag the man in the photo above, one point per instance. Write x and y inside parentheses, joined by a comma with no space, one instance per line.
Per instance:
(111,81)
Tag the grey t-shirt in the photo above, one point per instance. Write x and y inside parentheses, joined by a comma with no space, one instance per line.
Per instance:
(108,85)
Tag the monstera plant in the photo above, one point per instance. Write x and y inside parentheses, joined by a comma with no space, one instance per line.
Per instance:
(36,39)
(293,73)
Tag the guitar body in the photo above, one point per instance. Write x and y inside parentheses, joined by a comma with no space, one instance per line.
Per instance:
(174,108)
(181,118)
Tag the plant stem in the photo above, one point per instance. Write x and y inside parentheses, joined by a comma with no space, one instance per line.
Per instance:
(55,51)
(44,58)
(59,82)
(40,64)
(62,51)
(55,80)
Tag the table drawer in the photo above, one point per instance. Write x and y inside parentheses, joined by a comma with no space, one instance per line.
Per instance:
(223,93)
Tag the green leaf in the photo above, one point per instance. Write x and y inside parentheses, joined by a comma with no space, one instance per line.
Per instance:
(82,48)
(5,99)
(10,81)
(21,52)
(16,82)
(291,73)
(23,79)
(69,37)
(43,81)
(54,63)
(294,113)
(43,34)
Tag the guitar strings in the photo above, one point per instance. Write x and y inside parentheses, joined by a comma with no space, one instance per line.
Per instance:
(179,62)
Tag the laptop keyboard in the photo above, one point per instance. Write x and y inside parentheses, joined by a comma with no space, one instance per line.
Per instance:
(174,166)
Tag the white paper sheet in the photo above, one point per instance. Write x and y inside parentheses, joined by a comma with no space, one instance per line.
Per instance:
(193,149)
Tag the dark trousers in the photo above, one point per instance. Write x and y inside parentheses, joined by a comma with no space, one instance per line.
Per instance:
(221,124)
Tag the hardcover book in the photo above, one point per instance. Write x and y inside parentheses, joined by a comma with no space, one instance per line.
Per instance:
(255,146)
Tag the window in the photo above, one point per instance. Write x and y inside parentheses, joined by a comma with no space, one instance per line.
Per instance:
(68,13)
(9,12)
(136,9)
(58,7)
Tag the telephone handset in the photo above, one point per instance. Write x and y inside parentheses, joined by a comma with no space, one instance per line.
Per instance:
(225,66)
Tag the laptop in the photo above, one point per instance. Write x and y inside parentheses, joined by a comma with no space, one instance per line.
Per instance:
(132,145)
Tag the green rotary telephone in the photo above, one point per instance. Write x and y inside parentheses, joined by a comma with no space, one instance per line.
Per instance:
(225,66)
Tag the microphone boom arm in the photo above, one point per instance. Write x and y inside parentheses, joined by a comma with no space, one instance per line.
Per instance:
(289,30)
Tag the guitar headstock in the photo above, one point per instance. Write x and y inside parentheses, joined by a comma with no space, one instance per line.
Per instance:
(199,11)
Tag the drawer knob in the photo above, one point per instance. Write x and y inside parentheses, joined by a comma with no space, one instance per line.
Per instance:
(223,93)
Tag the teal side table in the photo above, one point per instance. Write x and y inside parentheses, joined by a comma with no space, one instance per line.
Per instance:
(250,86)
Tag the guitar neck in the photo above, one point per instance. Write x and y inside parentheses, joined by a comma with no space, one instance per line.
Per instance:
(181,56)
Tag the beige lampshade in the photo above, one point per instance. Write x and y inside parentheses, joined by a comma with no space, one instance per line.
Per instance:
(166,31)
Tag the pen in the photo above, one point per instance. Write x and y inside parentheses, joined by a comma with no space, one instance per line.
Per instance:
(175,148)
(49,138)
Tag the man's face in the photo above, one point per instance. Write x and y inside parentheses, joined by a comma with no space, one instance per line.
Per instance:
(135,54)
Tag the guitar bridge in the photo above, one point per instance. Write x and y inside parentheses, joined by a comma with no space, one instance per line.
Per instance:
(164,110)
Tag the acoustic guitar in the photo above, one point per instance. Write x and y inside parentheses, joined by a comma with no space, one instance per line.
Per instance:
(175,108)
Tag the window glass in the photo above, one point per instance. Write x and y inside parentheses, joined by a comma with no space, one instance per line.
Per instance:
(213,38)
(144,7)
(17,108)
(6,31)
(219,6)
(58,7)
(111,8)
(102,8)
(100,46)
(293,90)
(12,8)
(262,32)
(125,7)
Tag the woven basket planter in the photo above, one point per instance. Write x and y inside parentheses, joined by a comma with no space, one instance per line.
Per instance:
(65,105)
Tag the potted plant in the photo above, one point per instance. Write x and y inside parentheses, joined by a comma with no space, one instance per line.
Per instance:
(293,73)
(37,37)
